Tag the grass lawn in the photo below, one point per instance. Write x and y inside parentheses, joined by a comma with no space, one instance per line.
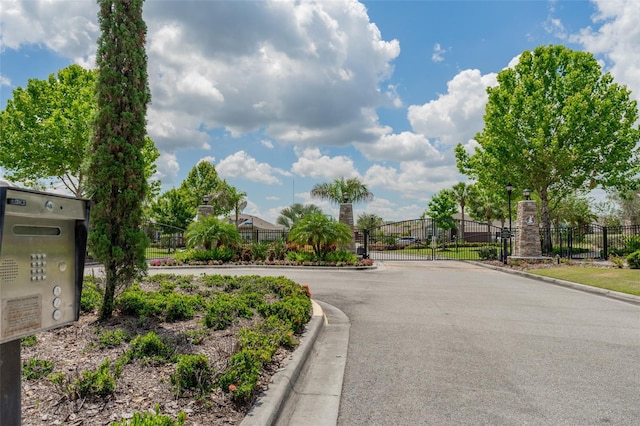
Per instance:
(622,280)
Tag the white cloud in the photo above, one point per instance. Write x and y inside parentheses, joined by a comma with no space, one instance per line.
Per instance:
(618,39)
(267,143)
(438,53)
(456,116)
(244,166)
(167,168)
(69,28)
(311,163)
(4,81)
(413,179)
(401,147)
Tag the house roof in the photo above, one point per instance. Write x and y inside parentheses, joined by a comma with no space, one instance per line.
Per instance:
(247,221)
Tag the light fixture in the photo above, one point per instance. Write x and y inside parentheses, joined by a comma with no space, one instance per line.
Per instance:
(206,199)
(345,197)
(509,188)
(527,194)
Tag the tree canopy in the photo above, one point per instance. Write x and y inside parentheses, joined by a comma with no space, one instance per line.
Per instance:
(441,209)
(46,130)
(117,164)
(335,191)
(290,215)
(555,124)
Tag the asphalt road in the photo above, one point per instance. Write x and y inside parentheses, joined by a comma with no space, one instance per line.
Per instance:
(450,343)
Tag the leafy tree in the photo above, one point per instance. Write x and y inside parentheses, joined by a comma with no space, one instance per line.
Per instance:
(335,191)
(320,232)
(628,202)
(210,232)
(557,125)
(290,215)
(202,181)
(173,208)
(369,221)
(462,192)
(441,209)
(487,206)
(573,211)
(46,130)
(228,198)
(117,164)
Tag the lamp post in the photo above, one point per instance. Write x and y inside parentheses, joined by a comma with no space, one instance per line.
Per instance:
(509,191)
(527,193)
(206,200)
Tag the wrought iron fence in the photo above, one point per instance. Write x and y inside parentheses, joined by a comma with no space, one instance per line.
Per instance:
(591,241)
(165,240)
(423,239)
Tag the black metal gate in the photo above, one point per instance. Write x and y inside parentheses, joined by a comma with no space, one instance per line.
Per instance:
(422,239)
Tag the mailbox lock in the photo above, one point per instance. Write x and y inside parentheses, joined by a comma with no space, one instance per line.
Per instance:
(57,315)
(48,205)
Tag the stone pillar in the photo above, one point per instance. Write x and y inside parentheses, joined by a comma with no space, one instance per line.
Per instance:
(204,210)
(346,217)
(527,242)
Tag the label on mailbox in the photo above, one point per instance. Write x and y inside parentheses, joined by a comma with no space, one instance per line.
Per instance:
(21,315)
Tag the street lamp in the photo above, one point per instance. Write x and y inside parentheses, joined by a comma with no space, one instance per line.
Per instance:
(205,199)
(345,197)
(527,193)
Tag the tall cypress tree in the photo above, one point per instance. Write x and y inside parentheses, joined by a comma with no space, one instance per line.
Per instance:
(117,165)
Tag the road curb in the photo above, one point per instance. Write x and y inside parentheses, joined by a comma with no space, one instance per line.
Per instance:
(266,409)
(628,298)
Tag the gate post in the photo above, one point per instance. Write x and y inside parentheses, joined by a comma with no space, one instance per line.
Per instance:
(570,243)
(605,243)
(366,243)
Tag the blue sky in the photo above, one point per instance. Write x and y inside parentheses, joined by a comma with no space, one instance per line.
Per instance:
(282,95)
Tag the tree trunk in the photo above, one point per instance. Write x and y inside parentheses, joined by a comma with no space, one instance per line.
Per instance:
(109,294)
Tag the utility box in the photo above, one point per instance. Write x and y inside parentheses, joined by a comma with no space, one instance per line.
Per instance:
(43,240)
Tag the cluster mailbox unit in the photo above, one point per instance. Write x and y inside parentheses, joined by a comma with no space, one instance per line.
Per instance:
(43,239)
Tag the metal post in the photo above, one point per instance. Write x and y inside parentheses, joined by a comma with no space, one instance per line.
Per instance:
(366,244)
(10,390)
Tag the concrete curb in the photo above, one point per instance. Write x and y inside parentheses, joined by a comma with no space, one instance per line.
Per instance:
(628,298)
(266,409)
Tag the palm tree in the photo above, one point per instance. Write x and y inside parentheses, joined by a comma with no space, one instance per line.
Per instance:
(290,215)
(229,198)
(369,221)
(342,190)
(320,232)
(462,193)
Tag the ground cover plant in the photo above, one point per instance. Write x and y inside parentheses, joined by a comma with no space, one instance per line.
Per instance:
(622,280)
(178,350)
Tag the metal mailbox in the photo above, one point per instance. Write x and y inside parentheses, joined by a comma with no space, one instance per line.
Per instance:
(43,239)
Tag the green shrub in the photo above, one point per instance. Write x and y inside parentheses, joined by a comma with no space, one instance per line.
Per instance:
(111,338)
(36,368)
(260,250)
(241,377)
(633,260)
(294,311)
(341,256)
(632,243)
(28,341)
(150,347)
(166,287)
(91,297)
(223,311)
(301,256)
(223,254)
(100,382)
(193,373)
(181,307)
(488,253)
(279,249)
(136,302)
(153,419)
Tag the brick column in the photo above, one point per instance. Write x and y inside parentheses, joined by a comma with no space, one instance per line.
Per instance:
(527,243)
(346,217)
(204,210)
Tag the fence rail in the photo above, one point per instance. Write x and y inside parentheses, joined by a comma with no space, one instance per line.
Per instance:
(591,241)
